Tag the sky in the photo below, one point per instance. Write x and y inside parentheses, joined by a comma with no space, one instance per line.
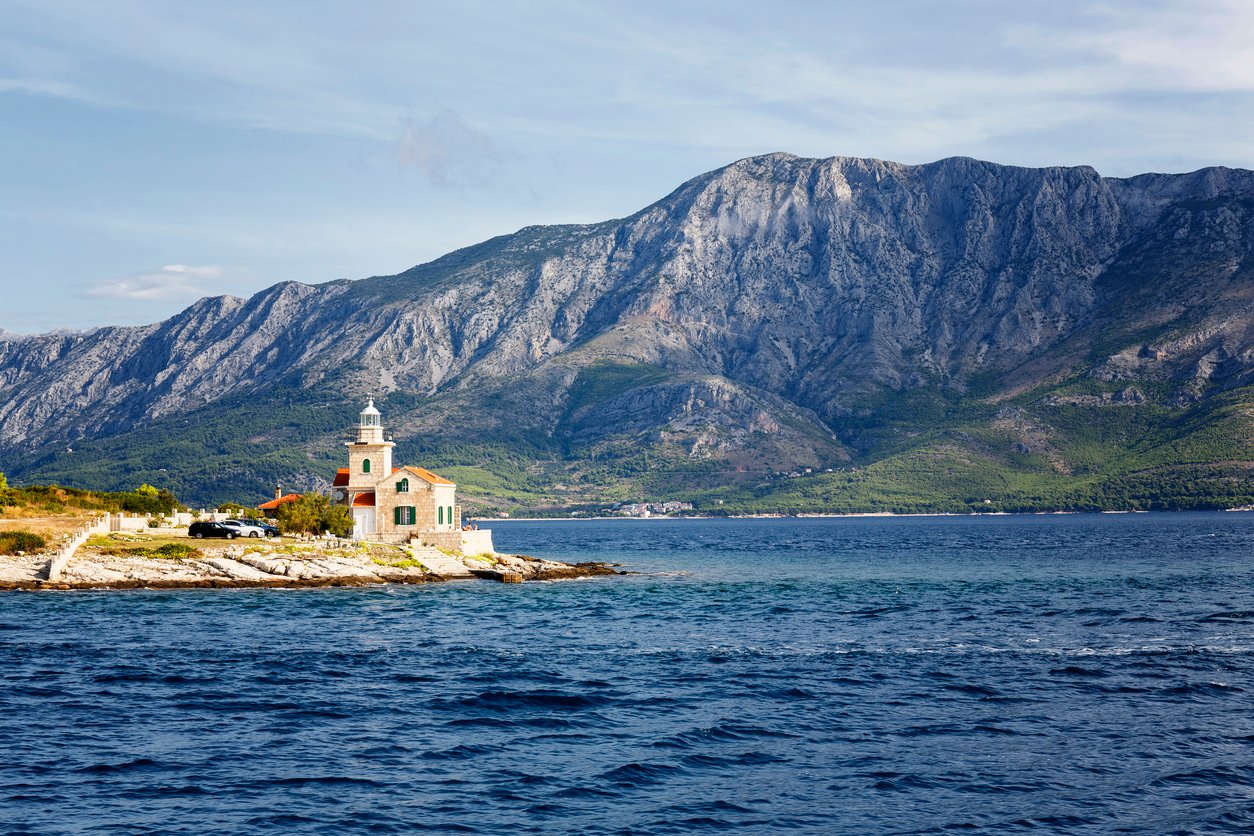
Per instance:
(153,152)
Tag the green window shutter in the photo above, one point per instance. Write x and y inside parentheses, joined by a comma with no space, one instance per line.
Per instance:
(440,515)
(396,516)
(365,465)
(410,515)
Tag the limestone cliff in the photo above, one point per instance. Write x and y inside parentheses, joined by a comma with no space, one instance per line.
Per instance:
(764,312)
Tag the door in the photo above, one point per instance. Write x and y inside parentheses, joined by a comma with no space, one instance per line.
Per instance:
(363,523)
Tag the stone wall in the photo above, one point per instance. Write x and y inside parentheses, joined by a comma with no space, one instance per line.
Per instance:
(477,542)
(447,540)
(186,518)
(423,496)
(380,457)
(128,522)
(99,525)
(469,543)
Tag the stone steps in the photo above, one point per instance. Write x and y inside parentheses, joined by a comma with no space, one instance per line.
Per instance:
(439,562)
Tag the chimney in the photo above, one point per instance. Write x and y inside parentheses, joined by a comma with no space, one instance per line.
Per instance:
(278,491)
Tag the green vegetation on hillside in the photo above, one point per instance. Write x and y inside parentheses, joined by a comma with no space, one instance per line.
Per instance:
(231,450)
(1071,446)
(57,499)
(1081,458)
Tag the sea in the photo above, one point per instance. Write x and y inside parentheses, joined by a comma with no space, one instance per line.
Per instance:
(992,674)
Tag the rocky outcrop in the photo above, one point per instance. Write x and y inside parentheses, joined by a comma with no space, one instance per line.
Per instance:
(278,566)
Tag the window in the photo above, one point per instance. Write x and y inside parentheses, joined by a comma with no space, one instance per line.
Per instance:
(450,515)
(365,465)
(403,515)
(439,514)
(402,486)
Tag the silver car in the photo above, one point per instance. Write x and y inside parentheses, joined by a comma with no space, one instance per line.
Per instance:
(245,529)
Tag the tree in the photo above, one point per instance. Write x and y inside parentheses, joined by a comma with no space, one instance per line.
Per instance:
(168,501)
(314,514)
(147,500)
(237,510)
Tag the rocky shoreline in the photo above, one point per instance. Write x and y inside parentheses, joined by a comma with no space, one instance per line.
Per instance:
(281,566)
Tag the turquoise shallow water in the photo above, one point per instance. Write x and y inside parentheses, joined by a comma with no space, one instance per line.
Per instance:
(1063,674)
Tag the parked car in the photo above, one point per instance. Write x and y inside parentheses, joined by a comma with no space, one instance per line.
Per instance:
(245,529)
(200,530)
(270,531)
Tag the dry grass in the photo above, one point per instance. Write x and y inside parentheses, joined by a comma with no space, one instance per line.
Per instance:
(51,528)
(118,539)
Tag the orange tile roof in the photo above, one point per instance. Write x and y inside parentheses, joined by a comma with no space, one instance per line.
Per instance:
(275,503)
(364,500)
(341,478)
(427,475)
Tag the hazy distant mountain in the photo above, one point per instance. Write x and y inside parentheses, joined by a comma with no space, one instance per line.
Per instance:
(945,333)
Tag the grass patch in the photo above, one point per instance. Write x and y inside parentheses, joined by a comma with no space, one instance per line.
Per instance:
(130,545)
(401,563)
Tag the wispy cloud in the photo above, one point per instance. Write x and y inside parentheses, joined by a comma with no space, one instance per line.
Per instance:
(173,282)
(447,150)
(1202,45)
(310,141)
(46,87)
(909,79)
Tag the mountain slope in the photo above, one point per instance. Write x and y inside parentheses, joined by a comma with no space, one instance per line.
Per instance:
(776,314)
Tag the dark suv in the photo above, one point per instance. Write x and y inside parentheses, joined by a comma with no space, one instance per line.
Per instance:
(200,530)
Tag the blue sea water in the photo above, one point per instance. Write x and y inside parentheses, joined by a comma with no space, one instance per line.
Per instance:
(1054,674)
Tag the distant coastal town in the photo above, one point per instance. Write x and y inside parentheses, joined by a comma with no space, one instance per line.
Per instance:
(639,509)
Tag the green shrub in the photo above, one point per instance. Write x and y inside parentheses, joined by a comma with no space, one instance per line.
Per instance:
(175,551)
(12,542)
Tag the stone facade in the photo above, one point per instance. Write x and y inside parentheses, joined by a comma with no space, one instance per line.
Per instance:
(434,505)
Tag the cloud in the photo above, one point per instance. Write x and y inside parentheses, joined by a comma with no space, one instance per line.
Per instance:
(46,87)
(447,150)
(171,283)
(1201,46)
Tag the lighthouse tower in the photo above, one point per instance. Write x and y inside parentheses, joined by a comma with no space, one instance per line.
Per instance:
(369,456)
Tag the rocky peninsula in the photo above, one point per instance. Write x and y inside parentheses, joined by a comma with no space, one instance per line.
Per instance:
(140,561)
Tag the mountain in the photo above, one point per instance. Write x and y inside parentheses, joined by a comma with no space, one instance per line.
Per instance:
(946,336)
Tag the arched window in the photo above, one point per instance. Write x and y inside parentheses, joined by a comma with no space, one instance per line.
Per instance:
(439,513)
(402,486)
(450,515)
(365,465)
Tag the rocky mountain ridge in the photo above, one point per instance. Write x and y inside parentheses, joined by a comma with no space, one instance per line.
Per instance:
(767,315)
